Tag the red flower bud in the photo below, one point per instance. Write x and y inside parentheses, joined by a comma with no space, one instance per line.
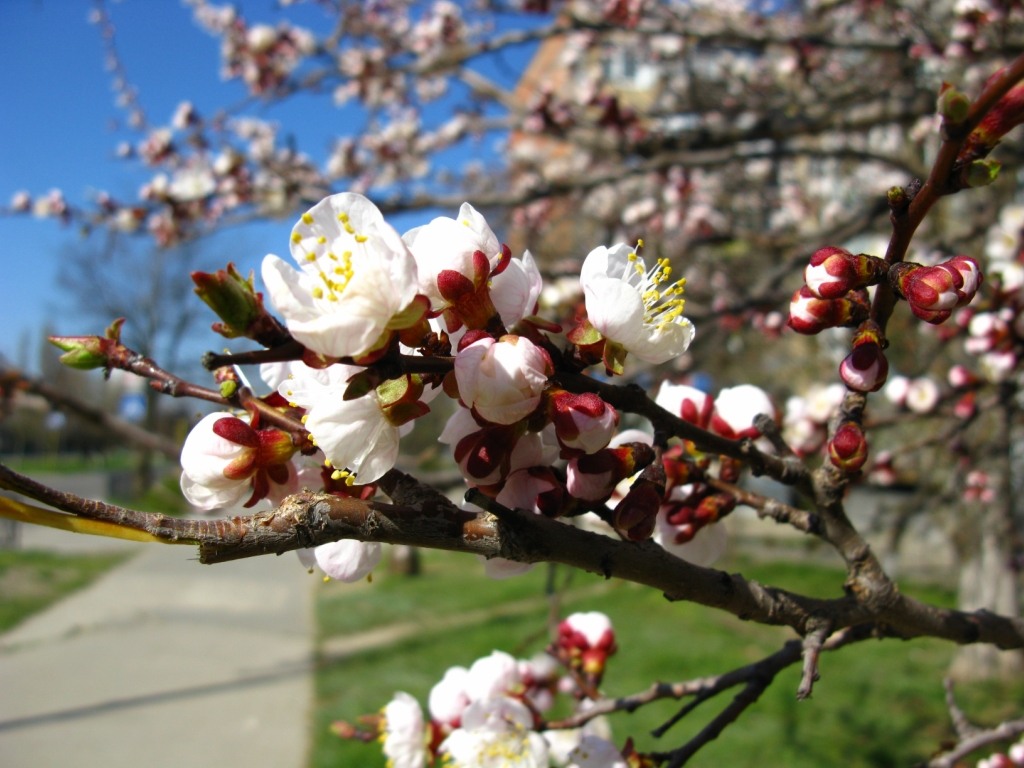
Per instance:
(848,448)
(934,292)
(833,272)
(635,516)
(810,314)
(593,477)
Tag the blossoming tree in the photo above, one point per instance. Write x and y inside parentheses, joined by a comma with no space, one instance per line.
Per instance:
(568,458)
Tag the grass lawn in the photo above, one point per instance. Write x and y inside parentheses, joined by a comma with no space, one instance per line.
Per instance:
(877,704)
(31,580)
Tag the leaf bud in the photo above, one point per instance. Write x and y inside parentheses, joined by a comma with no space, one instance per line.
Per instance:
(82,352)
(953,104)
(232,297)
(981,173)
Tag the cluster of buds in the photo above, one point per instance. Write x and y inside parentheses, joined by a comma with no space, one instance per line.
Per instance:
(263,56)
(832,295)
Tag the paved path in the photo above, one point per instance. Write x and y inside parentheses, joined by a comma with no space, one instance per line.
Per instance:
(162,662)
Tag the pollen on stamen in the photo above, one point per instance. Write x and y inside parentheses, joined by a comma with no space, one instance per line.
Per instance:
(296,237)
(307,219)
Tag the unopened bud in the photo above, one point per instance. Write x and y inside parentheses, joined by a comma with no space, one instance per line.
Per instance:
(1007,113)
(82,352)
(933,292)
(953,105)
(865,369)
(833,272)
(810,314)
(981,173)
(635,516)
(232,297)
(848,448)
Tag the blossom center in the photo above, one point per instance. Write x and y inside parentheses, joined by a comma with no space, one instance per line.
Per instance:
(662,303)
(334,270)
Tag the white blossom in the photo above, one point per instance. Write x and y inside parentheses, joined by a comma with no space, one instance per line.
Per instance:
(626,304)
(356,279)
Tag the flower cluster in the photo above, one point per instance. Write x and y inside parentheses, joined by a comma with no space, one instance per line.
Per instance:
(834,295)
(490,714)
(386,322)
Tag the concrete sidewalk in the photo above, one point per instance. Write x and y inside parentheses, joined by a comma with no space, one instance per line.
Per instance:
(162,662)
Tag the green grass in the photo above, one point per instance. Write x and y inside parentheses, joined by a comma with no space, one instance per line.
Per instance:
(878,703)
(67,463)
(30,581)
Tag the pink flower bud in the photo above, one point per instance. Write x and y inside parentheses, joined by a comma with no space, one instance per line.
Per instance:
(966,407)
(535,489)
(593,477)
(736,408)
(933,292)
(848,448)
(582,422)
(833,272)
(502,380)
(688,403)
(970,274)
(961,376)
(483,454)
(810,314)
(585,641)
(865,369)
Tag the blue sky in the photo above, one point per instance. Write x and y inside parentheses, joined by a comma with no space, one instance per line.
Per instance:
(57,131)
(60,129)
